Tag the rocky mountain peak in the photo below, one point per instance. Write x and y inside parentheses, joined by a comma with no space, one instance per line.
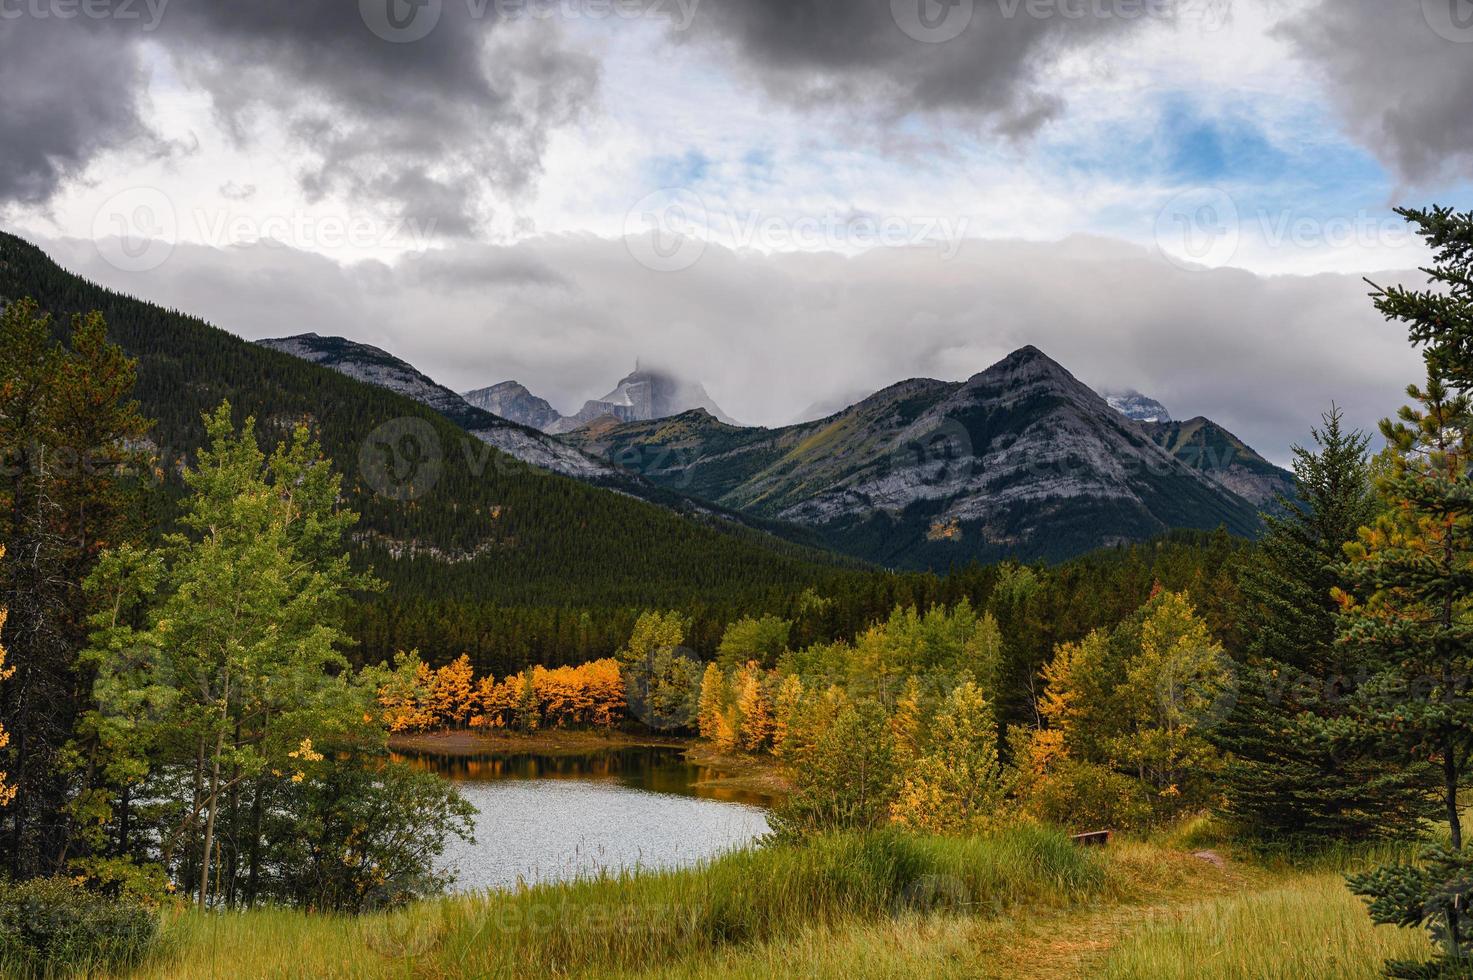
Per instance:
(1026,373)
(1134,405)
(511,400)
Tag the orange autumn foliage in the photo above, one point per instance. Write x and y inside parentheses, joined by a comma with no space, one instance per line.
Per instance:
(590,694)
(7,791)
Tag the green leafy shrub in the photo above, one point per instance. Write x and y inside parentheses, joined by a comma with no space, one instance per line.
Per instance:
(1085,796)
(55,926)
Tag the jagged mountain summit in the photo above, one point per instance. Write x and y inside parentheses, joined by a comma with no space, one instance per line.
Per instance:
(1021,460)
(644,395)
(1134,405)
(512,401)
(529,445)
(378,367)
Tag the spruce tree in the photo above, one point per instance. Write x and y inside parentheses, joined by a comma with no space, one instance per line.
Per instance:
(1292,777)
(1411,603)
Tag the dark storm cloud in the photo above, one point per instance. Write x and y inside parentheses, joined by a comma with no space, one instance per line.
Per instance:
(1400,72)
(67,91)
(900,56)
(427,126)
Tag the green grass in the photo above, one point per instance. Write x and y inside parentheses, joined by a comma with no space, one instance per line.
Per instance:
(1024,904)
(648,921)
(1312,927)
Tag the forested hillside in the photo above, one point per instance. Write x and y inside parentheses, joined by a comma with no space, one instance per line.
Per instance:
(479,527)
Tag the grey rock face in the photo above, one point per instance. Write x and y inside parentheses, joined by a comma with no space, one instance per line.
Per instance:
(1134,405)
(643,396)
(511,400)
(377,367)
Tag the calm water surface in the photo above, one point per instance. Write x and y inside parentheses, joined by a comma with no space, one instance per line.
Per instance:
(551,818)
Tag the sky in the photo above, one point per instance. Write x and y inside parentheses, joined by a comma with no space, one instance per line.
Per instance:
(794,202)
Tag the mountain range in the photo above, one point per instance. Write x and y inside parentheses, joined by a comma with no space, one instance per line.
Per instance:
(642,396)
(1022,460)
(456,506)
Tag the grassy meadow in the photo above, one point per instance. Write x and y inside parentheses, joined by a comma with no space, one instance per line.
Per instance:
(1024,903)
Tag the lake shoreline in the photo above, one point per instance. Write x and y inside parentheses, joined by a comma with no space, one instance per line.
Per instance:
(747,773)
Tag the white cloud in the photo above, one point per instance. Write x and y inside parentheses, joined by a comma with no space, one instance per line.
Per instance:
(771,334)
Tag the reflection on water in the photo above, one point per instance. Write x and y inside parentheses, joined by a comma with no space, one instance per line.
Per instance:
(549,818)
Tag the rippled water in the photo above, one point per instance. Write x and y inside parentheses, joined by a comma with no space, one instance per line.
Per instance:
(542,818)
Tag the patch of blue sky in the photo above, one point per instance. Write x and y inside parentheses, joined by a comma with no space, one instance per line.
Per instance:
(688,169)
(1268,157)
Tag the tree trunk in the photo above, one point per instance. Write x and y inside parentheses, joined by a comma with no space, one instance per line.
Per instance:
(214,799)
(1450,791)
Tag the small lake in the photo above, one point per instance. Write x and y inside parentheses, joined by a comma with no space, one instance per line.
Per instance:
(555,817)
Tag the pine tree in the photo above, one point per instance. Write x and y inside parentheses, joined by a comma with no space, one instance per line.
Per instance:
(7,791)
(1292,776)
(1440,317)
(1410,603)
(68,426)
